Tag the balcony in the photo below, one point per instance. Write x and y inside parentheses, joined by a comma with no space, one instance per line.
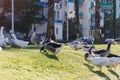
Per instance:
(107,5)
(80,2)
(39,18)
(71,1)
(58,21)
(80,14)
(58,6)
(92,4)
(81,26)
(92,26)
(44,4)
(92,15)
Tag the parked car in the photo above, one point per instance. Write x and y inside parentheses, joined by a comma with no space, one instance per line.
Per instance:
(108,40)
(89,40)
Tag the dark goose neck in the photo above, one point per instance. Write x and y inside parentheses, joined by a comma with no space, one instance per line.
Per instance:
(90,50)
(108,47)
(48,38)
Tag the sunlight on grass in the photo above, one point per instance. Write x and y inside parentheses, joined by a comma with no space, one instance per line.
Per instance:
(30,64)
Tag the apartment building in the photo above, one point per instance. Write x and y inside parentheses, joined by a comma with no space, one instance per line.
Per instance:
(117,8)
(58,21)
(86,16)
(62,8)
(107,7)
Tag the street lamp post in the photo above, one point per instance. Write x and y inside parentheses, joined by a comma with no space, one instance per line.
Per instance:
(12,16)
(67,22)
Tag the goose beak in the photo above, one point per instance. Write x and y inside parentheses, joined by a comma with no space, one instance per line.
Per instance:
(93,54)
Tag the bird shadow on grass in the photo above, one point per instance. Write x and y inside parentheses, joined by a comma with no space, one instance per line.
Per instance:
(50,55)
(115,74)
(99,73)
(10,48)
(33,47)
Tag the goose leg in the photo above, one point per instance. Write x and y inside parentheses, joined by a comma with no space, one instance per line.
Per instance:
(114,67)
(41,49)
(100,68)
(110,67)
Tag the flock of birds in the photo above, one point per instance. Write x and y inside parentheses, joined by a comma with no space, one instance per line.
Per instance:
(12,40)
(98,58)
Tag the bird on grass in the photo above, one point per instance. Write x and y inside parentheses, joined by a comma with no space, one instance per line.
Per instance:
(104,61)
(18,43)
(102,52)
(51,45)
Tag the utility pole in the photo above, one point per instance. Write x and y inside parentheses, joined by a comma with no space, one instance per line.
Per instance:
(12,2)
(67,22)
(114,19)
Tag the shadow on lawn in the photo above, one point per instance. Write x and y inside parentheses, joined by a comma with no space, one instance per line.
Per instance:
(10,48)
(115,74)
(99,73)
(50,55)
(33,47)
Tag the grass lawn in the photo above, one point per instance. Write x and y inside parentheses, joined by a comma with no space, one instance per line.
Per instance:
(30,64)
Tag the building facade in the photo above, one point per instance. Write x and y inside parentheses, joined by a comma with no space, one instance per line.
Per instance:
(62,8)
(87,17)
(58,20)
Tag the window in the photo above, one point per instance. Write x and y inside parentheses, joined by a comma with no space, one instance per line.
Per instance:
(57,14)
(56,30)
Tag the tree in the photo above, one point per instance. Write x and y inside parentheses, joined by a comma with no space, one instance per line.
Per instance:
(50,25)
(108,28)
(20,10)
(118,26)
(114,18)
(77,23)
(26,13)
(97,22)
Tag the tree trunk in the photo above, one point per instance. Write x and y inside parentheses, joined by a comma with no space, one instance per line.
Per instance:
(77,23)
(97,22)
(114,19)
(50,24)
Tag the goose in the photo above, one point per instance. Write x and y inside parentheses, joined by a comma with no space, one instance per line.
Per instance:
(98,61)
(87,48)
(2,38)
(104,61)
(51,45)
(113,55)
(18,43)
(114,61)
(0,48)
(102,53)
(33,39)
(76,45)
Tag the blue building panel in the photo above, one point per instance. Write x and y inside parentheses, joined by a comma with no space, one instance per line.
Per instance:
(44,4)
(46,20)
(71,1)
(81,26)
(56,21)
(80,2)
(92,27)
(92,15)
(92,4)
(80,14)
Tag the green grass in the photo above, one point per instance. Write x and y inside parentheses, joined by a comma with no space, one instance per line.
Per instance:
(30,64)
